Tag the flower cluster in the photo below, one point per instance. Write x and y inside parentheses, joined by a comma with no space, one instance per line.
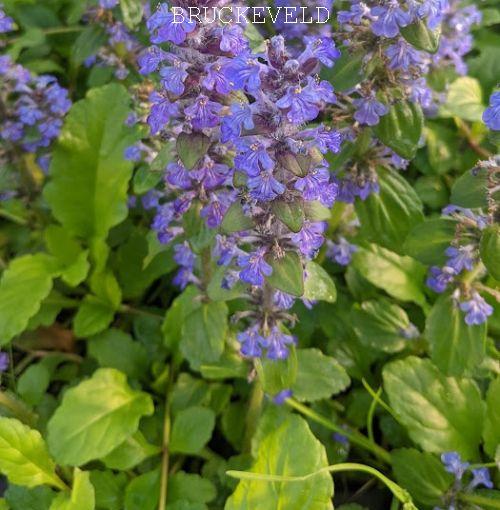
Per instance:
(6,22)
(454,464)
(32,107)
(463,256)
(243,152)
(491,116)
(122,47)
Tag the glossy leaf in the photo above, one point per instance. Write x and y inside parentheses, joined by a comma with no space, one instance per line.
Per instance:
(418,34)
(82,495)
(287,274)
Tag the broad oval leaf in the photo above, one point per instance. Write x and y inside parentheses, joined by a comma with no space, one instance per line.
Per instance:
(469,190)
(95,417)
(318,284)
(318,376)
(24,458)
(490,250)
(401,128)
(491,432)
(191,147)
(464,100)
(89,174)
(191,430)
(288,274)
(82,495)
(388,216)
(456,348)
(235,220)
(290,213)
(17,307)
(440,413)
(418,34)
(288,449)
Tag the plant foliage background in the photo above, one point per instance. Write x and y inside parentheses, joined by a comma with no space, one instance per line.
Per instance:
(197,310)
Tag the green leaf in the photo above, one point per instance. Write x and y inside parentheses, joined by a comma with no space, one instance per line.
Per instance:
(182,306)
(109,489)
(191,430)
(133,275)
(215,290)
(204,334)
(24,458)
(380,324)
(95,417)
(443,146)
(142,492)
(93,316)
(346,73)
(316,211)
(318,284)
(491,432)
(401,128)
(464,100)
(456,348)
(191,147)
(22,498)
(82,495)
(149,175)
(289,449)
(422,474)
(190,487)
(116,349)
(490,250)
(235,219)
(290,213)
(440,413)
(318,376)
(88,189)
(388,216)
(88,43)
(401,277)
(288,274)
(469,190)
(134,450)
(427,242)
(33,383)
(277,375)
(132,11)
(418,34)
(17,306)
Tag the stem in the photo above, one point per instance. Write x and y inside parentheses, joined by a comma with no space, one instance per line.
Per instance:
(136,311)
(378,400)
(12,217)
(53,31)
(371,412)
(481,501)
(17,409)
(354,437)
(398,492)
(165,459)
(467,133)
(253,415)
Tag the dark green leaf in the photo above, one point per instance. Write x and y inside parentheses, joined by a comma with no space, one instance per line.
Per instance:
(318,284)
(235,220)
(490,250)
(191,148)
(288,274)
(401,128)
(418,34)
(290,213)
(191,430)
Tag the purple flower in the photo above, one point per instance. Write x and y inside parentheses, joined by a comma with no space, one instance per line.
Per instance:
(402,55)
(108,4)
(341,252)
(150,59)
(241,117)
(203,113)
(477,310)
(214,211)
(453,464)
(301,102)
(433,10)
(389,18)
(132,153)
(358,11)
(322,49)
(481,476)
(243,72)
(183,255)
(211,174)
(164,26)
(310,238)
(4,361)
(276,344)
(439,279)
(178,176)
(280,398)
(161,112)
(461,258)
(491,116)
(312,184)
(6,22)
(254,267)
(173,77)
(369,110)
(327,139)
(216,78)
(251,342)
(252,157)
(226,249)
(264,186)
(283,300)
(232,39)
(340,438)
